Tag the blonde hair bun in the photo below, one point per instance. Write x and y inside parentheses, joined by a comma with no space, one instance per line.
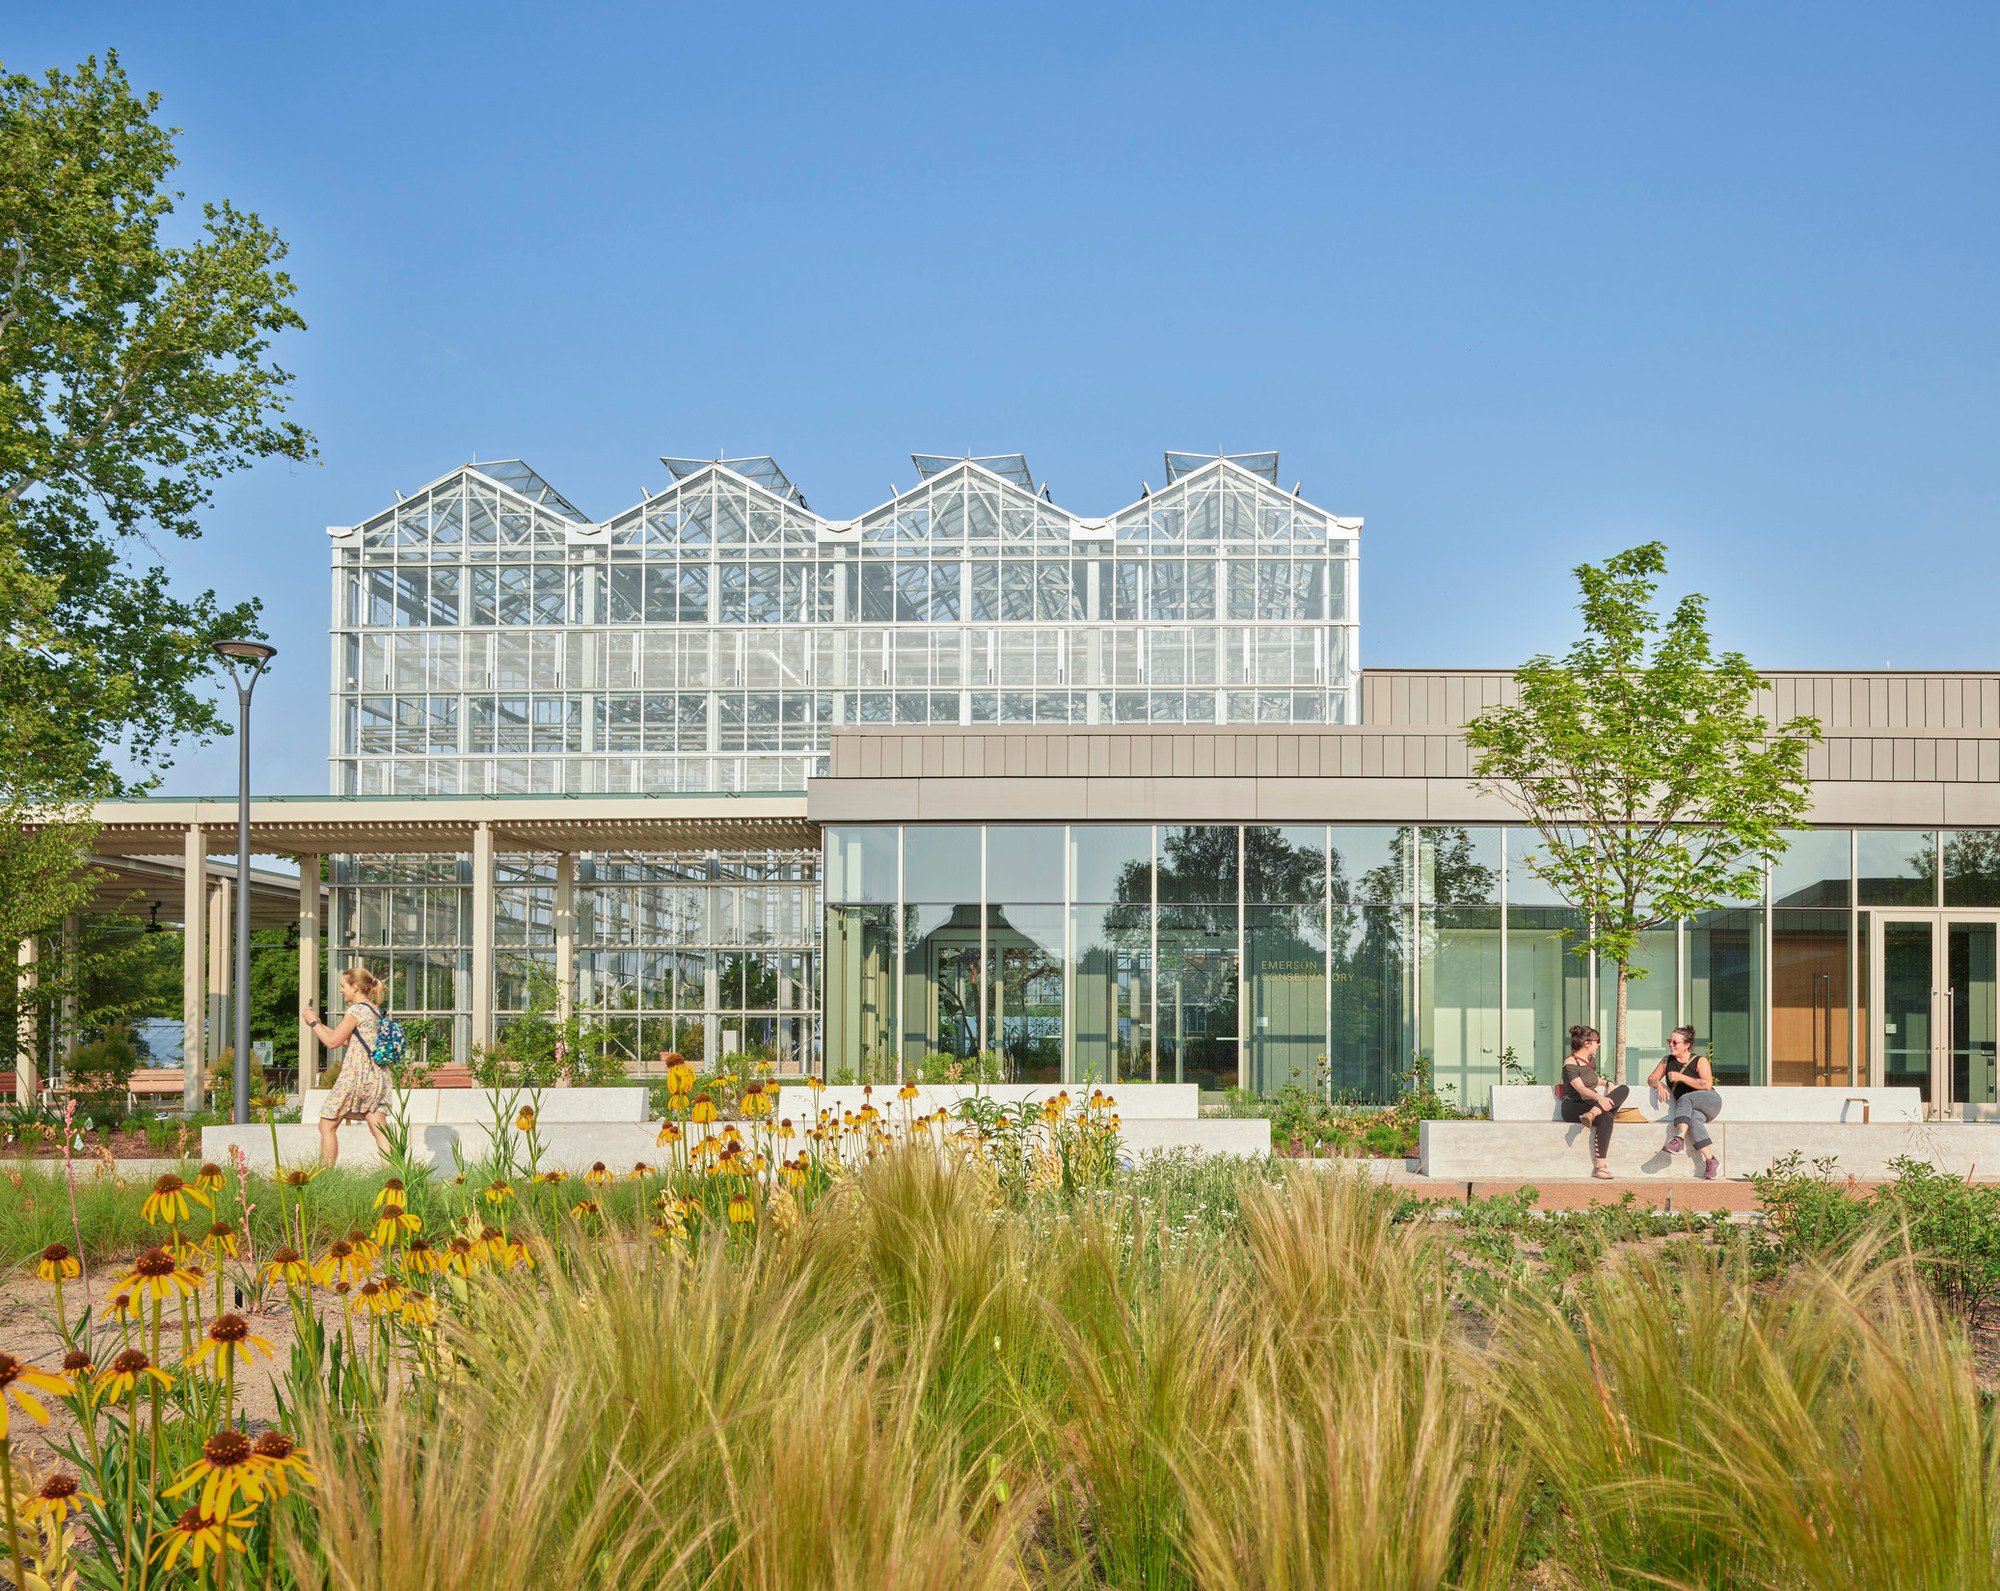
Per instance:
(364,982)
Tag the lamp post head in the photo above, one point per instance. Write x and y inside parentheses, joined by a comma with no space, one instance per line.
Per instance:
(255,653)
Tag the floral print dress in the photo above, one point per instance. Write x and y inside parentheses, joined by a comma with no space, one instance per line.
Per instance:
(363,1086)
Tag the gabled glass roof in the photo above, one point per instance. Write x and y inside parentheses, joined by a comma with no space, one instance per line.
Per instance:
(1264,464)
(763,469)
(516,474)
(1008,466)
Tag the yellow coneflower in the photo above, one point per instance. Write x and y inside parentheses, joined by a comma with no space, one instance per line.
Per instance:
(201,1536)
(639,1173)
(391,1194)
(419,1258)
(298,1177)
(524,1119)
(553,1178)
(392,1292)
(598,1173)
(586,1209)
(274,1454)
(795,1172)
(226,1338)
(688,1207)
(121,1307)
(395,1225)
(366,1249)
(77,1362)
(225,1471)
(221,1240)
(420,1311)
(58,1264)
(499,1191)
(122,1376)
(816,1084)
(169,1200)
(286,1265)
(373,1299)
(786,1131)
(19,1381)
(157,1275)
(702,1110)
(56,1498)
(460,1258)
(669,1133)
(339,1263)
(907,1091)
(754,1102)
(182,1247)
(680,1078)
(211,1178)
(741,1209)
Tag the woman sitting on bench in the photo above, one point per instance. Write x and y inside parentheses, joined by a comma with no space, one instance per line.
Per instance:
(1690,1079)
(1588,1099)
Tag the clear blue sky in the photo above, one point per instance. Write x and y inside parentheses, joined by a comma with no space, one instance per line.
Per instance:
(1522,284)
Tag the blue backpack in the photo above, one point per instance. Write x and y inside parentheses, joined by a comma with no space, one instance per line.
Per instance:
(390,1045)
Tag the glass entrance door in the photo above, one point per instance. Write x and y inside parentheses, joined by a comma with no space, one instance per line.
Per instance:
(1936,1017)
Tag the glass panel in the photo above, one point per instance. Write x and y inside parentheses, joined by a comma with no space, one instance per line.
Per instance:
(940,987)
(1906,1006)
(1652,1003)
(1897,867)
(860,978)
(1548,985)
(941,863)
(1024,946)
(1111,993)
(1814,869)
(1198,991)
(1972,867)
(1809,998)
(1459,1018)
(1199,863)
(1371,864)
(1725,1000)
(1286,946)
(1524,886)
(1370,1037)
(861,863)
(1286,865)
(1459,867)
(1025,860)
(1969,972)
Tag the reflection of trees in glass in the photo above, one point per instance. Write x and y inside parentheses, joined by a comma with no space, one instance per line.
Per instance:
(1971,868)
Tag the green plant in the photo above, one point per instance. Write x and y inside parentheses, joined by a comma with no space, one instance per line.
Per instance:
(97,1072)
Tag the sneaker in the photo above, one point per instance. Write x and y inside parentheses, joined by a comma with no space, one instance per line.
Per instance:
(1711,1168)
(1673,1145)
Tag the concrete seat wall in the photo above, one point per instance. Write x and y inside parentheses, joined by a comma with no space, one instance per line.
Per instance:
(1538,1102)
(1132,1101)
(1478,1151)
(474,1106)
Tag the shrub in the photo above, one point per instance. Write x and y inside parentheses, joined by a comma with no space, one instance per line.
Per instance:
(99,1071)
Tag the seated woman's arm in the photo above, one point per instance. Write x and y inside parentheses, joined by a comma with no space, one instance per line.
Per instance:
(1658,1078)
(1701,1074)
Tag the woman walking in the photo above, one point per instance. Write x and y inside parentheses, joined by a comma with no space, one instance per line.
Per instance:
(1588,1099)
(362,1092)
(1690,1081)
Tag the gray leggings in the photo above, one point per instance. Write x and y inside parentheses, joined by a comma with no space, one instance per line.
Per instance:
(1697,1110)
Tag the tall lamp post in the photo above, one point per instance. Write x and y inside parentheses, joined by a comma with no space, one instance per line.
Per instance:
(252,656)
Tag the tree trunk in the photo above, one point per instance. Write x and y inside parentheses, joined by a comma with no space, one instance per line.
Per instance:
(1624,992)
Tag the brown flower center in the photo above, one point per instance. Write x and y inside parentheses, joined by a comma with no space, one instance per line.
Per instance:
(273,1444)
(57,1487)
(56,1253)
(169,1184)
(76,1359)
(285,1256)
(155,1262)
(130,1363)
(229,1328)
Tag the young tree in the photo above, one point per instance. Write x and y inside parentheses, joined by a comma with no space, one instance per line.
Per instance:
(1656,788)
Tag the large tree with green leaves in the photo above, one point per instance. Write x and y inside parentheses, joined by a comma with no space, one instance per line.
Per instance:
(1656,787)
(135,372)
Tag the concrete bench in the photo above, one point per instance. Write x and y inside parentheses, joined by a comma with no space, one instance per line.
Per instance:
(1484,1151)
(1540,1102)
(1132,1101)
(473,1106)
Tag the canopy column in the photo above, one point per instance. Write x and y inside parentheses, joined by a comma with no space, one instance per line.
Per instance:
(27,1036)
(482,937)
(308,967)
(67,1035)
(566,934)
(194,964)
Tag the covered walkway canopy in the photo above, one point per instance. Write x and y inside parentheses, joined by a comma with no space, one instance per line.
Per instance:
(192,829)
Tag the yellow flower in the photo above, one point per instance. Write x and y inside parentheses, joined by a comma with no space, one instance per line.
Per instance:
(639,1173)
(419,1258)
(274,1454)
(123,1375)
(121,1307)
(201,1535)
(286,1265)
(741,1210)
(552,1177)
(19,1381)
(156,1274)
(586,1209)
(524,1119)
(340,1263)
(226,1470)
(298,1177)
(907,1091)
(460,1258)
(597,1172)
(703,1110)
(670,1133)
(229,1336)
(420,1310)
(499,1191)
(816,1084)
(391,1194)
(395,1224)
(168,1202)
(376,1298)
(55,1497)
(210,1178)
(365,1248)
(221,1240)
(755,1101)
(58,1264)
(680,1078)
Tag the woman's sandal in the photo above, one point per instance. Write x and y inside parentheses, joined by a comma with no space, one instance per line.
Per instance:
(1590,1115)
(1602,1173)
